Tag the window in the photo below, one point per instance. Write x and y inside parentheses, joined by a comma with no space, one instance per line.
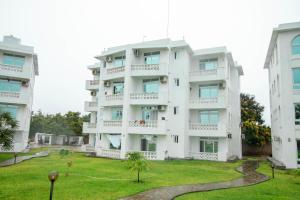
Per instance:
(175,55)
(118,88)
(151,86)
(296,45)
(209,117)
(208,91)
(176,80)
(119,61)
(117,113)
(152,58)
(148,143)
(208,146)
(175,138)
(10,109)
(175,110)
(297,114)
(115,141)
(208,64)
(149,113)
(296,78)
(15,60)
(10,86)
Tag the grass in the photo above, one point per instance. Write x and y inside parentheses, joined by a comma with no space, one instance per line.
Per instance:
(285,186)
(97,178)
(6,156)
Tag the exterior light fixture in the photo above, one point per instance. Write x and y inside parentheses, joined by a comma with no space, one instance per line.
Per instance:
(52,176)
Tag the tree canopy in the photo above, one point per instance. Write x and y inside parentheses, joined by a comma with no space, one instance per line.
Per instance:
(7,130)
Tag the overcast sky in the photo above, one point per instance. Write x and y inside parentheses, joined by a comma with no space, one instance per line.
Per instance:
(67,35)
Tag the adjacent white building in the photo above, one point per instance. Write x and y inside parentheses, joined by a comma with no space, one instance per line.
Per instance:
(283,64)
(164,99)
(18,67)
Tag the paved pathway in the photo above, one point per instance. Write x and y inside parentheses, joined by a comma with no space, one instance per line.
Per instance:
(250,177)
(22,158)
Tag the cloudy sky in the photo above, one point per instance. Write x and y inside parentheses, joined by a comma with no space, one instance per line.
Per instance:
(68,34)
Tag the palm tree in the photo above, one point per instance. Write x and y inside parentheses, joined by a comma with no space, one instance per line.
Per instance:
(137,162)
(7,130)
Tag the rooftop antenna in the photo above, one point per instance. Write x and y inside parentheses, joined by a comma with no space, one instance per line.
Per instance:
(168,19)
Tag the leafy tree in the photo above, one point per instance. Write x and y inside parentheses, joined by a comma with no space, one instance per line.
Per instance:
(7,130)
(256,133)
(137,162)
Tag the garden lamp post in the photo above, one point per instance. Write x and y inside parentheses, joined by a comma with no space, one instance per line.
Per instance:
(52,176)
(273,166)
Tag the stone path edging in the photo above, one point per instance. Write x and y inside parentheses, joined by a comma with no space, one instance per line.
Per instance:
(248,168)
(23,158)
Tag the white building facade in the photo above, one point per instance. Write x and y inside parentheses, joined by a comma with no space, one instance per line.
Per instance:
(18,68)
(165,100)
(283,64)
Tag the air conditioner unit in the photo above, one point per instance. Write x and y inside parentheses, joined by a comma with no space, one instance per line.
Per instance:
(161,108)
(93,93)
(107,84)
(136,53)
(109,59)
(163,79)
(95,72)
(222,85)
(25,84)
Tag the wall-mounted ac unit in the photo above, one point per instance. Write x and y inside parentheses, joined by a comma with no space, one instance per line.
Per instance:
(163,79)
(136,53)
(108,59)
(161,108)
(222,85)
(95,72)
(107,84)
(93,93)
(25,83)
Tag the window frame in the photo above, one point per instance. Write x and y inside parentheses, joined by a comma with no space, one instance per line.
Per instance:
(295,45)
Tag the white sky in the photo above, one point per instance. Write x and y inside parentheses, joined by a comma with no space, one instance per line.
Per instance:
(68,34)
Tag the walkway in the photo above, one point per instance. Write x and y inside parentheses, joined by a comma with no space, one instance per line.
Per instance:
(250,177)
(22,158)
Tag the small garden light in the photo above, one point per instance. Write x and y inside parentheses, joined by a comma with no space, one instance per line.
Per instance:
(52,176)
(273,166)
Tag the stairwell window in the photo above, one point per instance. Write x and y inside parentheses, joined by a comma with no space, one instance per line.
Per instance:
(296,78)
(209,117)
(152,58)
(208,146)
(119,61)
(175,138)
(176,80)
(208,91)
(208,64)
(297,114)
(296,45)
(14,60)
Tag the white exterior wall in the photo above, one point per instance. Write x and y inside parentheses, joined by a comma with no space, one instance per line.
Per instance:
(24,101)
(170,95)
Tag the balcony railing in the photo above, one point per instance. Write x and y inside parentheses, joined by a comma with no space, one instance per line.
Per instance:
(205,75)
(112,123)
(144,96)
(149,155)
(90,106)
(204,155)
(10,94)
(91,125)
(198,126)
(115,70)
(110,153)
(10,68)
(204,100)
(21,97)
(147,67)
(94,82)
(143,123)
(114,97)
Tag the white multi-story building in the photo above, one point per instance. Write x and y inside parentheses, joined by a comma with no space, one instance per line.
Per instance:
(18,67)
(163,99)
(283,64)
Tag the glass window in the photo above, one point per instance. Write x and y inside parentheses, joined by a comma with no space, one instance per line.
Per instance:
(115,141)
(152,58)
(297,114)
(15,60)
(208,91)
(151,86)
(10,86)
(296,45)
(119,61)
(10,109)
(117,113)
(209,117)
(118,88)
(148,143)
(208,64)
(149,114)
(296,78)
(208,146)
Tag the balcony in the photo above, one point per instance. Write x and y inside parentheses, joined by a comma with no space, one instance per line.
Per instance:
(92,85)
(207,130)
(207,103)
(157,127)
(89,127)
(14,97)
(204,156)
(110,153)
(149,69)
(113,99)
(148,99)
(207,75)
(90,106)
(111,126)
(149,155)
(113,72)
(21,73)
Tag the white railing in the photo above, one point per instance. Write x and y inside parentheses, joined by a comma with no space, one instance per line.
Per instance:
(110,153)
(94,82)
(206,72)
(10,94)
(11,68)
(92,104)
(91,125)
(204,100)
(114,97)
(144,96)
(204,155)
(198,126)
(140,67)
(114,70)
(149,155)
(89,148)
(143,123)
(112,123)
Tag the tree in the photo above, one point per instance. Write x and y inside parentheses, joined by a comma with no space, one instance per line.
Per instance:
(137,162)
(256,133)
(7,130)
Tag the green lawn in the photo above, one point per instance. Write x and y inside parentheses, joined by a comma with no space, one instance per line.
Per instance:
(97,178)
(285,186)
(6,156)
